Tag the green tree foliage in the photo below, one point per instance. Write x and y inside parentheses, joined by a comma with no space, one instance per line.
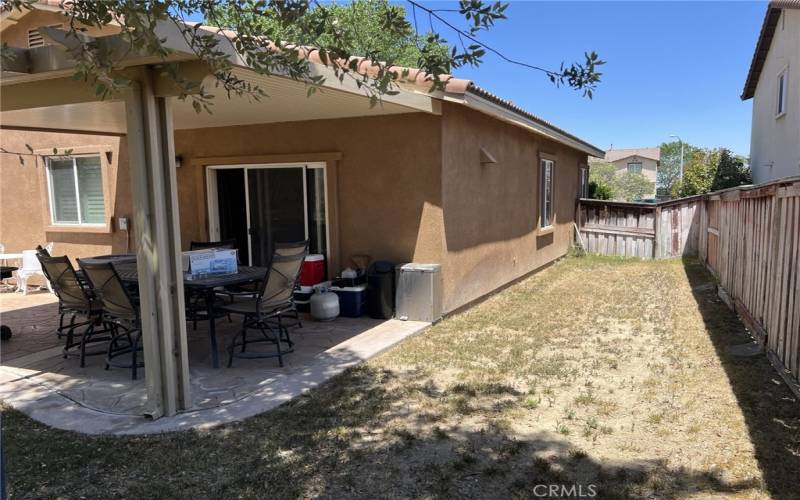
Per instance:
(599,191)
(731,171)
(257,31)
(361,29)
(708,170)
(669,169)
(698,173)
(624,186)
(632,187)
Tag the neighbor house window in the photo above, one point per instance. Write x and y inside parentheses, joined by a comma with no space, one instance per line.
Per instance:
(635,167)
(76,190)
(783,86)
(546,192)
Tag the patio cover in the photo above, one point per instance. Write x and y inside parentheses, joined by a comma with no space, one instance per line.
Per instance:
(36,90)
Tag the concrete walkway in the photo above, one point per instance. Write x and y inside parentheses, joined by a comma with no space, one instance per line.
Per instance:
(49,400)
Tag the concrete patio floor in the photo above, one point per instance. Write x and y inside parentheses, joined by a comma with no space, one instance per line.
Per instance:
(36,379)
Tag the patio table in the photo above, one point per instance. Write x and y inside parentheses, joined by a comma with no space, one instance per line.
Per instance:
(208,285)
(4,258)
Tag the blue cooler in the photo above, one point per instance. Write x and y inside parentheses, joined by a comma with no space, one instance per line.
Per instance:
(352,300)
(302,297)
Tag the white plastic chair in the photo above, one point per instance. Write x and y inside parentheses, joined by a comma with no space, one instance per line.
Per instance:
(30,267)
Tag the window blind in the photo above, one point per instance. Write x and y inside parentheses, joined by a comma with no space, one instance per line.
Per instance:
(76,190)
(62,186)
(90,187)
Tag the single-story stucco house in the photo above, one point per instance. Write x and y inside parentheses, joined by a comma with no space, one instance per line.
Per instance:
(461,177)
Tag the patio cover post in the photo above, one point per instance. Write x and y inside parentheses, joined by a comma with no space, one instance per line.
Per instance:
(158,246)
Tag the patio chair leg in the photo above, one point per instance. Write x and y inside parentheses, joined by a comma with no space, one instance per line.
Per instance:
(244,340)
(232,345)
(285,331)
(86,335)
(68,343)
(61,323)
(135,349)
(113,343)
(277,345)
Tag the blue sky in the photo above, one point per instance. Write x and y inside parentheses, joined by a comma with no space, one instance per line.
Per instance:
(672,68)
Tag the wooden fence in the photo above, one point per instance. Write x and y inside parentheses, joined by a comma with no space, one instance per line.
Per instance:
(749,237)
(751,242)
(667,229)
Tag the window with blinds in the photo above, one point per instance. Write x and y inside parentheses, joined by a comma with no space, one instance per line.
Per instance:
(76,190)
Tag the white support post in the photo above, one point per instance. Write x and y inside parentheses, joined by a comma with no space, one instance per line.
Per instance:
(157,229)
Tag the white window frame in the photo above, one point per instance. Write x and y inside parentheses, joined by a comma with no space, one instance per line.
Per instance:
(782,92)
(635,163)
(51,194)
(545,163)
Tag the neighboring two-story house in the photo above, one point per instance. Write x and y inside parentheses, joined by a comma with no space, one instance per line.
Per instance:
(643,161)
(774,85)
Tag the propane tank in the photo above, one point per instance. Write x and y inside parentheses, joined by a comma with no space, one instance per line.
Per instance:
(324,305)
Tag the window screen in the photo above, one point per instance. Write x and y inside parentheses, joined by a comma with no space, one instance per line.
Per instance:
(76,190)
(546,194)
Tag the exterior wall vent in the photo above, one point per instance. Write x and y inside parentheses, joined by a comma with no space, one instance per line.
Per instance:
(35,39)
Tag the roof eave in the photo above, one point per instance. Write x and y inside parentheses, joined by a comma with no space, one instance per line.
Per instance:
(771,17)
(516,116)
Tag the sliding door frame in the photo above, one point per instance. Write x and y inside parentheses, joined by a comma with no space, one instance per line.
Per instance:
(213,199)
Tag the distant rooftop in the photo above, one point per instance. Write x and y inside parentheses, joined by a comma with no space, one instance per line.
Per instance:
(619,154)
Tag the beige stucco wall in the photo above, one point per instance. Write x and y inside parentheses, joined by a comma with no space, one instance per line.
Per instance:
(775,141)
(388,179)
(491,212)
(408,188)
(24,208)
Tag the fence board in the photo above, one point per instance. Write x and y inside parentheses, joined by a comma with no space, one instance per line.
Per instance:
(753,247)
(640,230)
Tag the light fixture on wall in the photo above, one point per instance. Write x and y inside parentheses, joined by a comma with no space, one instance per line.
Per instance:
(486,157)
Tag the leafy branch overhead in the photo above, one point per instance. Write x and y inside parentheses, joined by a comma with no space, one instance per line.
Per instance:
(371,42)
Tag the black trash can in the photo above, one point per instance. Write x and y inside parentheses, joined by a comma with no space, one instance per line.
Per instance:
(380,290)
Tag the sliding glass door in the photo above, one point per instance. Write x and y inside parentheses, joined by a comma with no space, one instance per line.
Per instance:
(261,205)
(277,209)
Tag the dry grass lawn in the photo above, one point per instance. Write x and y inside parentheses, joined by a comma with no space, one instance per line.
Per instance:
(603,372)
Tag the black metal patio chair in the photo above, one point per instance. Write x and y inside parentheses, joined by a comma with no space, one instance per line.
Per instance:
(292,248)
(264,312)
(75,300)
(120,311)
